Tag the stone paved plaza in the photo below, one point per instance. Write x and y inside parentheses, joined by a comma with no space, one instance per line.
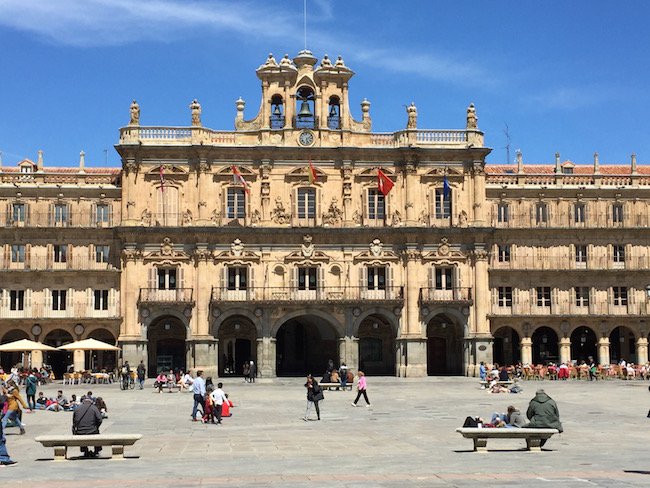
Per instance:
(406,438)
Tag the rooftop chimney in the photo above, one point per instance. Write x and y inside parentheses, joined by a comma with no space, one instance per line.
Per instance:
(558,169)
(520,161)
(633,163)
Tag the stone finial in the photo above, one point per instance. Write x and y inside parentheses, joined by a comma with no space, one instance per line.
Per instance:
(195,108)
(558,167)
(520,161)
(339,62)
(285,61)
(240,104)
(39,161)
(365,107)
(270,61)
(596,163)
(365,114)
(82,161)
(472,119)
(412,112)
(633,163)
(326,63)
(135,113)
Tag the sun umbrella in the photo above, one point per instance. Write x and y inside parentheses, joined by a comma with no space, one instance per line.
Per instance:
(25,345)
(89,345)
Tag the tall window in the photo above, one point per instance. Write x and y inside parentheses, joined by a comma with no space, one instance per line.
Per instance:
(617,213)
(237,278)
(443,204)
(505,296)
(61,214)
(167,278)
(581,255)
(376,205)
(59,299)
(582,296)
(18,212)
(620,295)
(101,300)
(101,253)
(579,213)
(503,213)
(17,300)
(619,254)
(541,213)
(306,203)
(504,253)
(60,253)
(236,204)
(103,214)
(376,277)
(543,296)
(17,253)
(307,278)
(444,278)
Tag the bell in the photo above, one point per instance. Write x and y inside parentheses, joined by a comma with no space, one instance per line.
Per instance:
(305,112)
(333,110)
(276,110)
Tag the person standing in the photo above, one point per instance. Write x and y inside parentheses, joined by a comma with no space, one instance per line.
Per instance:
(246,371)
(198,388)
(314,395)
(14,401)
(86,420)
(5,460)
(142,373)
(30,389)
(361,387)
(343,373)
(252,371)
(218,398)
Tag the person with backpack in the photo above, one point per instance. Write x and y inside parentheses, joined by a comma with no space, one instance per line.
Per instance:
(142,373)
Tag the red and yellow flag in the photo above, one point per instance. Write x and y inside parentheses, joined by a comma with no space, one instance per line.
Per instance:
(313,176)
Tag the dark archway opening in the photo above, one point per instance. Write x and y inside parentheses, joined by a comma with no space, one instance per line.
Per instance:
(584,344)
(622,345)
(505,348)
(59,361)
(545,345)
(304,345)
(11,359)
(237,345)
(376,346)
(444,347)
(166,346)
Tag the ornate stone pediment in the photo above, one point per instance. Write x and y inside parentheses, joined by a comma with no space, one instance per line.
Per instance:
(168,170)
(246,172)
(445,252)
(307,253)
(237,252)
(372,172)
(167,253)
(438,172)
(302,172)
(376,253)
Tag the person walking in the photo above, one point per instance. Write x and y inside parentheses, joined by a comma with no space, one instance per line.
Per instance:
(5,460)
(314,395)
(246,371)
(86,420)
(30,389)
(361,389)
(218,398)
(14,401)
(252,371)
(198,388)
(142,373)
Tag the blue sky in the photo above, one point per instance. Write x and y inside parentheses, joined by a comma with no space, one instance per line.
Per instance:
(564,76)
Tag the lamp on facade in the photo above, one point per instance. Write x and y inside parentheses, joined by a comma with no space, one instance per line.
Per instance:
(237,326)
(647,290)
(167,326)
(544,339)
(375,325)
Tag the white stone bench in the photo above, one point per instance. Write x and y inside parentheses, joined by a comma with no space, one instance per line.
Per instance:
(485,383)
(330,386)
(60,443)
(480,435)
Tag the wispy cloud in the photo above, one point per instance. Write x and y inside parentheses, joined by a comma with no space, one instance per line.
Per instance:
(578,97)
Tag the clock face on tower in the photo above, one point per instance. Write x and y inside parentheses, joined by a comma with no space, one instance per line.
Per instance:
(306,138)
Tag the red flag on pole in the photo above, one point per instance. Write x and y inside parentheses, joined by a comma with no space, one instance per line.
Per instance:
(313,176)
(239,179)
(384,183)
(162,178)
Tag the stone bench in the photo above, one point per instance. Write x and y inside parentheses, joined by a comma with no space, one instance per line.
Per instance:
(330,386)
(480,435)
(485,383)
(60,443)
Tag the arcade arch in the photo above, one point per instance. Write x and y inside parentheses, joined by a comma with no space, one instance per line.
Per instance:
(237,344)
(58,360)
(584,344)
(506,346)
(545,345)
(10,359)
(376,346)
(622,345)
(166,345)
(444,346)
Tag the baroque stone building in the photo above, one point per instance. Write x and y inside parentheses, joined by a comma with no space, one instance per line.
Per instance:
(303,236)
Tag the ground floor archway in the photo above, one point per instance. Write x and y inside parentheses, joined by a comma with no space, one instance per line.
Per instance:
(622,345)
(545,345)
(59,361)
(506,348)
(101,360)
(10,359)
(444,346)
(584,345)
(237,345)
(166,345)
(376,346)
(304,345)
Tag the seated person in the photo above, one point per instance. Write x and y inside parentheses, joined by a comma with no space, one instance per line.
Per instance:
(101,405)
(185,383)
(171,380)
(503,374)
(513,418)
(335,378)
(41,401)
(563,372)
(59,403)
(74,403)
(494,387)
(327,377)
(161,381)
(226,406)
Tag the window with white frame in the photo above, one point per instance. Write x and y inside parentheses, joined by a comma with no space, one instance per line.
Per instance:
(619,254)
(101,300)
(503,213)
(505,296)
(543,296)
(17,253)
(442,204)
(236,203)
(541,213)
(617,213)
(18,212)
(101,253)
(16,299)
(307,278)
(376,278)
(503,253)
(237,278)
(444,278)
(103,213)
(306,203)
(581,253)
(579,213)
(620,295)
(59,299)
(582,296)
(60,253)
(61,214)
(376,204)
(167,278)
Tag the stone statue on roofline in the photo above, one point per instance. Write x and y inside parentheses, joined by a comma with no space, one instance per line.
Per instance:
(135,113)
(412,112)
(472,119)
(195,108)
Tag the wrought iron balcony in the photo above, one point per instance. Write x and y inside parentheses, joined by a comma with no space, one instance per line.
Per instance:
(451,295)
(337,294)
(177,295)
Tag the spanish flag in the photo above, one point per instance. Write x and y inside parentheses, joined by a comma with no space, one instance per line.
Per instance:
(384,183)
(313,176)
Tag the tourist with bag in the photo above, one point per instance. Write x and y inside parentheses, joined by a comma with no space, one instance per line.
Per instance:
(314,395)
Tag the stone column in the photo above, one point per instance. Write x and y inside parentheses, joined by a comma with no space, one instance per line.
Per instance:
(641,350)
(416,354)
(481,291)
(130,168)
(79,360)
(526,350)
(412,290)
(410,187)
(479,194)
(134,352)
(202,291)
(349,352)
(203,354)
(603,350)
(565,350)
(266,357)
(203,174)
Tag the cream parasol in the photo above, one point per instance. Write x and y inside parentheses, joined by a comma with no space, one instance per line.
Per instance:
(89,345)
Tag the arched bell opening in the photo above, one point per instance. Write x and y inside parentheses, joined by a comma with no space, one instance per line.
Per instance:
(305,104)
(277,112)
(334,113)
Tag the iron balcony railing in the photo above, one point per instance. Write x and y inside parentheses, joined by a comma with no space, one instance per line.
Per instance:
(457,294)
(326,294)
(155,295)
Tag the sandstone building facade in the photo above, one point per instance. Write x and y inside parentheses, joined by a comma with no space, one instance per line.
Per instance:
(280,242)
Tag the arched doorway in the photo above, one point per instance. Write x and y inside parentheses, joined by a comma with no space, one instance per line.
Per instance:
(102,360)
(166,345)
(545,347)
(622,345)
(584,344)
(10,359)
(59,361)
(444,347)
(237,344)
(376,346)
(304,345)
(506,348)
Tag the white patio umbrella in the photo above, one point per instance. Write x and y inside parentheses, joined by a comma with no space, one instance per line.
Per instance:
(24,345)
(89,345)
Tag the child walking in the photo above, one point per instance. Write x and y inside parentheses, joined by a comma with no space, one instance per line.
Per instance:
(361,387)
